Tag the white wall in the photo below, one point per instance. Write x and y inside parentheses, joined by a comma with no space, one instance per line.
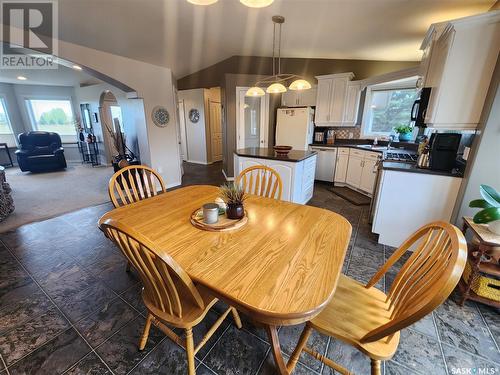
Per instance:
(153,84)
(15,96)
(486,164)
(196,134)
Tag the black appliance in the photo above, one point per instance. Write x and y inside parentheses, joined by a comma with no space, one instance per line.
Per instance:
(443,148)
(419,108)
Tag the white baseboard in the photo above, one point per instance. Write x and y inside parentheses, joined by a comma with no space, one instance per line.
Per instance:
(174,184)
(198,162)
(225,176)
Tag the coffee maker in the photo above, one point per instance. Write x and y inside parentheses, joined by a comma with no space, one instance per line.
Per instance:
(443,148)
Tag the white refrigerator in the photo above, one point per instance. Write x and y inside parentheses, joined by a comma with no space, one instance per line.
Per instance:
(295,127)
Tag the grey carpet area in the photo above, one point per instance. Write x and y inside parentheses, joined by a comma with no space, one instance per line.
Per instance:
(39,196)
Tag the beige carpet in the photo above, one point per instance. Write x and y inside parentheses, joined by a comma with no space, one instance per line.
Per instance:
(39,196)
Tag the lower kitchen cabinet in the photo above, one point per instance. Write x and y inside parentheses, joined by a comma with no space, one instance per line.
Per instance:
(358,170)
(297,177)
(368,176)
(354,171)
(341,165)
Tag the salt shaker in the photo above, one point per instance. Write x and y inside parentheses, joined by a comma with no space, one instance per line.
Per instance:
(210,213)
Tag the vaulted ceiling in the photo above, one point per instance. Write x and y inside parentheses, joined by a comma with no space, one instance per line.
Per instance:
(187,38)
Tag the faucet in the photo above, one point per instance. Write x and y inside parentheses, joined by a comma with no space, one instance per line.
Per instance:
(391,139)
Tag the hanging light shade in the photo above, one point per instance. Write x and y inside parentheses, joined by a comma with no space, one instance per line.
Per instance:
(202,2)
(255,91)
(300,84)
(276,88)
(256,3)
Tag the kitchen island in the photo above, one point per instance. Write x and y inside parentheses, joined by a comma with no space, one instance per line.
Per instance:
(296,170)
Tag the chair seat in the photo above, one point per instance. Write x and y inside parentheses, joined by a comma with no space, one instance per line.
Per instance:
(191,314)
(353,312)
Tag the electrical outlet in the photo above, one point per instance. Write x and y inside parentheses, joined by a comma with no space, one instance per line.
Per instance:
(351,135)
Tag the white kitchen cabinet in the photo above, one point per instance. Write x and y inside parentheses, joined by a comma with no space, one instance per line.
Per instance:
(323,101)
(297,177)
(368,175)
(331,99)
(325,164)
(341,166)
(354,170)
(352,103)
(398,215)
(302,98)
(458,67)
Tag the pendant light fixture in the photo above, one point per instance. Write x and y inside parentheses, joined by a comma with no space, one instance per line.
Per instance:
(276,83)
(202,2)
(256,3)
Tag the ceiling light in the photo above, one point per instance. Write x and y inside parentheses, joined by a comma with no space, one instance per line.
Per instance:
(255,91)
(256,3)
(77,67)
(276,88)
(202,2)
(22,78)
(276,82)
(300,84)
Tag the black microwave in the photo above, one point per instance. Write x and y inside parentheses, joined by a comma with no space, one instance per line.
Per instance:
(419,108)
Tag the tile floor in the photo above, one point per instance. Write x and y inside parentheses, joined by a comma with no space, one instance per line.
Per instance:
(67,306)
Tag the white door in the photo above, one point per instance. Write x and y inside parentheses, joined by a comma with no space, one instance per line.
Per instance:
(215,129)
(252,120)
(354,170)
(341,167)
(368,175)
(182,126)
(351,104)
(323,100)
(338,100)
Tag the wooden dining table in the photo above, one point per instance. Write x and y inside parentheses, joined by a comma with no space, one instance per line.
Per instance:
(281,268)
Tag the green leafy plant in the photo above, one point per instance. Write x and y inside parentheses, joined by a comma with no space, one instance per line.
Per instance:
(232,193)
(403,129)
(490,205)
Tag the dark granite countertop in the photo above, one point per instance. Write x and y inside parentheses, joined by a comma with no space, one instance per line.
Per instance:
(351,145)
(293,156)
(412,167)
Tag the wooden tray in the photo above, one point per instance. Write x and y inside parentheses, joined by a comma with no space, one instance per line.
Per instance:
(223,225)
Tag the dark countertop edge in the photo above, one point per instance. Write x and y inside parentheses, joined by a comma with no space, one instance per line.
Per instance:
(412,168)
(335,145)
(290,159)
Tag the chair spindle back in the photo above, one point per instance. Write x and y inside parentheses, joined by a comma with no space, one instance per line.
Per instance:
(261,180)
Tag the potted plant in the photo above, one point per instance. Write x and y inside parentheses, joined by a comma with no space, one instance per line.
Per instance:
(404,132)
(234,196)
(490,205)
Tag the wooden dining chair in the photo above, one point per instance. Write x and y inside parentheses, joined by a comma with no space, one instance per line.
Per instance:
(368,319)
(134,183)
(168,292)
(261,180)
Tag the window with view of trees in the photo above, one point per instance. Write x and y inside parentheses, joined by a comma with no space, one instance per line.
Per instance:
(4,119)
(6,133)
(52,116)
(388,109)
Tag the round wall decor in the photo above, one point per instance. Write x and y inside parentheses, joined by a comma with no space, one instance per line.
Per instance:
(194,115)
(160,116)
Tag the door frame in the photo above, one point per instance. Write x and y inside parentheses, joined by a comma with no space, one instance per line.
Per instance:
(182,130)
(240,118)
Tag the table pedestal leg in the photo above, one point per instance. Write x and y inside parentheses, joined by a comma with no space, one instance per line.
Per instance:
(272,333)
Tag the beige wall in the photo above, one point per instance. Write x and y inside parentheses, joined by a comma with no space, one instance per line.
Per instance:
(309,68)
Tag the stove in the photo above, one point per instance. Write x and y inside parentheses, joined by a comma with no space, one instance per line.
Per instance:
(400,156)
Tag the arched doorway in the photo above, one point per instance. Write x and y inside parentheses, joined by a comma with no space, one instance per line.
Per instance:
(112,124)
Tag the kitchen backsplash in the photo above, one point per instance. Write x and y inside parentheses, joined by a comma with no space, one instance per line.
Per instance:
(343,133)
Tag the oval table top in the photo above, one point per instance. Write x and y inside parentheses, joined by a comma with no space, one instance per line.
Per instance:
(282,267)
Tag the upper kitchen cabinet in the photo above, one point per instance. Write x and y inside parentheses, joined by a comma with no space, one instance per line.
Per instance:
(337,100)
(458,64)
(302,98)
